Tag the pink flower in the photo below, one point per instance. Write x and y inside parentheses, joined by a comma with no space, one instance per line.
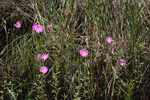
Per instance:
(37,28)
(122,62)
(18,24)
(38,56)
(108,39)
(44,56)
(49,26)
(83,52)
(43,69)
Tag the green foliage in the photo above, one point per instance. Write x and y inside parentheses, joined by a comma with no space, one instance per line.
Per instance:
(77,25)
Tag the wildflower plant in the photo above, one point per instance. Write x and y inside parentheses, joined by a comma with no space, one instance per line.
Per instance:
(17,24)
(38,56)
(43,69)
(44,56)
(84,52)
(122,62)
(108,39)
(49,26)
(67,76)
(38,28)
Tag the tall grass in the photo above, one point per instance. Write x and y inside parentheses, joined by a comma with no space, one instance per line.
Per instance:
(76,25)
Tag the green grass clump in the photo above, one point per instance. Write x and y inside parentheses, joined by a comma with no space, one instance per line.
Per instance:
(76,25)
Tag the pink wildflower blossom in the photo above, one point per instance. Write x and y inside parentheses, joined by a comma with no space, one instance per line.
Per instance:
(43,69)
(38,28)
(17,24)
(108,39)
(44,56)
(38,56)
(49,26)
(84,52)
(122,62)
